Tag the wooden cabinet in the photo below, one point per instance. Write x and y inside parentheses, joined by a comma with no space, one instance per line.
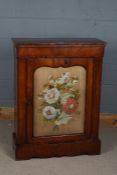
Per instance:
(58,85)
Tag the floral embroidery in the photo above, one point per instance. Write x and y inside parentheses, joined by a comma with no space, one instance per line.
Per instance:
(52,95)
(49,112)
(60,99)
(71,106)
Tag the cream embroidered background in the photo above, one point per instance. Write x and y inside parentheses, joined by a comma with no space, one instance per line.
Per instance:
(76,125)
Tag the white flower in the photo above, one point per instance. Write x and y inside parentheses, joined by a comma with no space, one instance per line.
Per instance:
(52,95)
(64,78)
(49,112)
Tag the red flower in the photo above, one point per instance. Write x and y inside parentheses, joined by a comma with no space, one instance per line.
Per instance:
(71,106)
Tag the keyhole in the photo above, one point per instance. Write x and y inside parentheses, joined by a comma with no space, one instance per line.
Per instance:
(66,61)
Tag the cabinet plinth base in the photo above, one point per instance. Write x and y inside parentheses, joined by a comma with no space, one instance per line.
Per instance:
(31,150)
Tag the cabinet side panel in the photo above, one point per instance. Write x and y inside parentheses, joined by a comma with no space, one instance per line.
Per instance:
(21,102)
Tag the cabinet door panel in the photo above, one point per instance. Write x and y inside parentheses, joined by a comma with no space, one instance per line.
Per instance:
(59,100)
(59,92)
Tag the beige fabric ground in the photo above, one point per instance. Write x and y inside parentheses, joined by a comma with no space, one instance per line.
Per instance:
(104,164)
(76,125)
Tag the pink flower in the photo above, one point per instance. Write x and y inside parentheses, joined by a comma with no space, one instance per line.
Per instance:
(71,106)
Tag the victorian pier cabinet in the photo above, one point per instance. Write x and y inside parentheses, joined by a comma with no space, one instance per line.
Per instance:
(58,85)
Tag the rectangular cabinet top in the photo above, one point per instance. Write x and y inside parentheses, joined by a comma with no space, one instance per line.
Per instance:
(57,41)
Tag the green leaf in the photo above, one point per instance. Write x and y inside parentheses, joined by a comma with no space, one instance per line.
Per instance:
(63,119)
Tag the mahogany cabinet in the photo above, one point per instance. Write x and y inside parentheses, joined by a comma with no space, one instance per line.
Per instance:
(58,85)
